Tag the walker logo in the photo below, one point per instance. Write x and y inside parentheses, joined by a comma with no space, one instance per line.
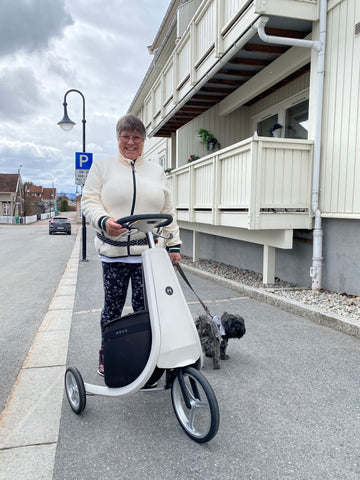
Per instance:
(123,331)
(83,162)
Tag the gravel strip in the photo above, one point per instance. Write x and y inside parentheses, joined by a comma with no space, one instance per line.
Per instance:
(347,306)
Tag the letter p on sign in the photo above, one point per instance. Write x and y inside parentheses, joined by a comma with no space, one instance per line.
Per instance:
(83,161)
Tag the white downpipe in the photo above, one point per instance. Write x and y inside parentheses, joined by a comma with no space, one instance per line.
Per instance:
(316,268)
(319,47)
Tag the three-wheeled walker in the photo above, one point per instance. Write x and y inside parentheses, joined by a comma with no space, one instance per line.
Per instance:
(141,347)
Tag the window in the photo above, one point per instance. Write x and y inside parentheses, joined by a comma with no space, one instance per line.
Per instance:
(6,208)
(297,119)
(293,114)
(263,127)
(162,161)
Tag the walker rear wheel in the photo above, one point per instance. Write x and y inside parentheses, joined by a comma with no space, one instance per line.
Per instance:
(195,405)
(75,389)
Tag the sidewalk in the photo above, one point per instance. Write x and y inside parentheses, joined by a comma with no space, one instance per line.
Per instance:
(288,399)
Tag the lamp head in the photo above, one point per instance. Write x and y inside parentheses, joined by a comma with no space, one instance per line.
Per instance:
(66,123)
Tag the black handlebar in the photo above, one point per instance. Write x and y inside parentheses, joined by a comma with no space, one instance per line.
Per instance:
(148,220)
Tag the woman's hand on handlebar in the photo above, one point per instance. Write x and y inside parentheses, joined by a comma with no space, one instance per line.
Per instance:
(113,228)
(175,257)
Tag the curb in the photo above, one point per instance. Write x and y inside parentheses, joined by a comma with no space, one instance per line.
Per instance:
(349,326)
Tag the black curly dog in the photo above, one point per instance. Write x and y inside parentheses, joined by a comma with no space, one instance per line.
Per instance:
(213,344)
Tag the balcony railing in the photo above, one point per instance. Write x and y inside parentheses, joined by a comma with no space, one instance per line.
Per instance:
(259,183)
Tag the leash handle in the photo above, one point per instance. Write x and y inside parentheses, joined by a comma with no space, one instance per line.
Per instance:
(181,271)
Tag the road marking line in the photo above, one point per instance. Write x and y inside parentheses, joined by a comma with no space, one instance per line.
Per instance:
(195,302)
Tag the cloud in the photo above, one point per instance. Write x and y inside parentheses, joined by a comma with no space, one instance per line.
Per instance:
(29,25)
(28,150)
(18,92)
(43,164)
(52,46)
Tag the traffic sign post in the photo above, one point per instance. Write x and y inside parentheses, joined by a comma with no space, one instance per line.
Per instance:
(83,162)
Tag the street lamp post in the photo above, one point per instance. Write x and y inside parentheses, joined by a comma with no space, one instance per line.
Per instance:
(66,124)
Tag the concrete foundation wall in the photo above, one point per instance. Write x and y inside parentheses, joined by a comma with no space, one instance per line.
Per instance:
(341,252)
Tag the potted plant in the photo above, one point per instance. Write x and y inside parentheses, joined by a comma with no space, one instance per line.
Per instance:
(208,139)
(275,130)
(192,158)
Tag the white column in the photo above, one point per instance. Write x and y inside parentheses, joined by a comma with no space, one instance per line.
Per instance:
(196,245)
(269,265)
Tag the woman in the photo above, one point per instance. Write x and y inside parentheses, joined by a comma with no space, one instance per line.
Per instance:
(117,187)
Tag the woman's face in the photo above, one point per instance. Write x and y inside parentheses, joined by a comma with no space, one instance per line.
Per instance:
(131,144)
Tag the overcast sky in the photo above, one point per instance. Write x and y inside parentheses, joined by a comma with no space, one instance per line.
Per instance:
(48,47)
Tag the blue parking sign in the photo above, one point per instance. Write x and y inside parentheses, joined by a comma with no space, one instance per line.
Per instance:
(83,161)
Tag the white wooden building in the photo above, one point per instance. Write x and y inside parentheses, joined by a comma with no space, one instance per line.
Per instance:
(287,206)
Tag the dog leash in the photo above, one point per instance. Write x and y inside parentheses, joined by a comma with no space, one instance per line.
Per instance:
(181,271)
(213,320)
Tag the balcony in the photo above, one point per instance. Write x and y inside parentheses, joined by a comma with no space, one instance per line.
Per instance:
(259,184)
(216,54)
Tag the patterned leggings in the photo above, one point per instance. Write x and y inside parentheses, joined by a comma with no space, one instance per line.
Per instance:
(116,278)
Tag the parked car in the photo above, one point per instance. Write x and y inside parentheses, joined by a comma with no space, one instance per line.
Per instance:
(59,224)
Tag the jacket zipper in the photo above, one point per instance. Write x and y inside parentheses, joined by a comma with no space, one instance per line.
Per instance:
(134,185)
(134,198)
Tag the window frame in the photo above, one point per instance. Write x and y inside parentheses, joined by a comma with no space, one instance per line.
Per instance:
(280,109)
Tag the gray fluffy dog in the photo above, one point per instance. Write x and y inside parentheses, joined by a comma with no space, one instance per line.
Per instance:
(214,339)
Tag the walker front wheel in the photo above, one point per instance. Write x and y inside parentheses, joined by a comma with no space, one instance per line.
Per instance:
(75,389)
(195,405)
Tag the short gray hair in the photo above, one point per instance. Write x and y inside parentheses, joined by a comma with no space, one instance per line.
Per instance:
(131,123)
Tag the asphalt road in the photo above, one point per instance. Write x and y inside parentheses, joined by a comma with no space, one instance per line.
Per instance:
(288,396)
(32,263)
